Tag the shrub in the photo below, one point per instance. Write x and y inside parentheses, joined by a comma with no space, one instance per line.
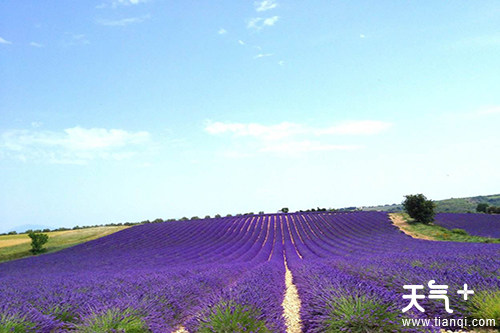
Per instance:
(459,232)
(482,207)
(37,242)
(114,320)
(419,208)
(232,317)
(486,305)
(9,323)
(360,314)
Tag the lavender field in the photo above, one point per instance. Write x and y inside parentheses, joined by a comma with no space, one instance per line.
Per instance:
(187,275)
(484,225)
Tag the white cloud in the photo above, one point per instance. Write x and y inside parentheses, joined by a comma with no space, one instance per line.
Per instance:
(258,23)
(266,132)
(287,129)
(263,55)
(362,36)
(262,6)
(76,39)
(488,111)
(75,145)
(3,41)
(241,42)
(270,21)
(485,41)
(364,127)
(34,44)
(295,147)
(222,31)
(119,3)
(292,138)
(124,21)
(281,63)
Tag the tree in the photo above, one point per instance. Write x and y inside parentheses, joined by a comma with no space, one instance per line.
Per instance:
(482,207)
(285,209)
(493,210)
(37,242)
(419,208)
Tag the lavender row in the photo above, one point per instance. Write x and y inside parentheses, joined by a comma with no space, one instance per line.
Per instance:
(484,225)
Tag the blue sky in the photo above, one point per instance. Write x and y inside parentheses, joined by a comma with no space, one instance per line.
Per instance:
(126,110)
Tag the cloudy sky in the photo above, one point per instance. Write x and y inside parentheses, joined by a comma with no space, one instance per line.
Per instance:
(125,110)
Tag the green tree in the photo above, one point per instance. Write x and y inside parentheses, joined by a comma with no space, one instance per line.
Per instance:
(482,207)
(37,242)
(285,209)
(419,208)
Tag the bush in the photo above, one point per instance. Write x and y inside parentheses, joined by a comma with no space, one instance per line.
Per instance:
(233,317)
(114,320)
(37,242)
(493,210)
(486,304)
(358,314)
(482,207)
(459,232)
(419,208)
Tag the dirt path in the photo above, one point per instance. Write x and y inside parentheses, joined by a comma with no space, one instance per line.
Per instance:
(291,304)
(399,222)
(181,329)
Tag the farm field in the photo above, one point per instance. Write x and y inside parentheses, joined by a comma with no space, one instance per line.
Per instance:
(484,225)
(18,246)
(348,271)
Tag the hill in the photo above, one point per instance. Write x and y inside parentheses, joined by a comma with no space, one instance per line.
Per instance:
(18,246)
(453,205)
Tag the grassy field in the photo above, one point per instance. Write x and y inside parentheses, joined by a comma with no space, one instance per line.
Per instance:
(18,246)
(439,233)
(454,205)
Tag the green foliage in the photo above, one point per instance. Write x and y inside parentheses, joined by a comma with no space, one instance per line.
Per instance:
(358,314)
(9,324)
(57,241)
(486,305)
(416,263)
(37,242)
(230,317)
(285,210)
(419,208)
(459,231)
(437,232)
(114,320)
(493,210)
(482,207)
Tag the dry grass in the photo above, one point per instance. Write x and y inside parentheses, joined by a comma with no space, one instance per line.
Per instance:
(291,304)
(18,246)
(400,222)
